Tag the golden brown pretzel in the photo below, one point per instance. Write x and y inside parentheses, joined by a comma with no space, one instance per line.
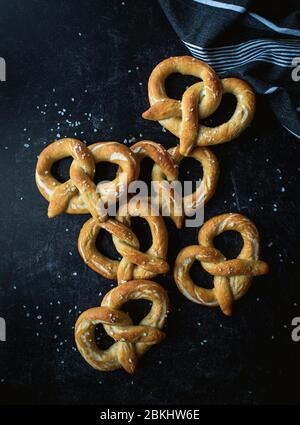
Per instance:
(202,194)
(92,256)
(159,155)
(134,264)
(199,101)
(165,162)
(131,340)
(232,278)
(163,107)
(128,170)
(79,195)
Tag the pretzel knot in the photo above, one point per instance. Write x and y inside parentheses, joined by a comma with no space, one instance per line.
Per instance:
(159,155)
(174,203)
(79,194)
(131,341)
(181,117)
(232,278)
(134,264)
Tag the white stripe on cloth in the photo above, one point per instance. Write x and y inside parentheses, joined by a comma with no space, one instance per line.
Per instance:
(283,56)
(261,58)
(271,90)
(243,10)
(275,52)
(246,47)
(292,132)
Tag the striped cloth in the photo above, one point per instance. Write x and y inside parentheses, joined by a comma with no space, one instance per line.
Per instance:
(250,39)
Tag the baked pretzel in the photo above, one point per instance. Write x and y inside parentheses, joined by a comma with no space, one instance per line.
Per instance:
(189,203)
(232,278)
(199,101)
(92,256)
(134,264)
(159,155)
(165,162)
(79,194)
(131,341)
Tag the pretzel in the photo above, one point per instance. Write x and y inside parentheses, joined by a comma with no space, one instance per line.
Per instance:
(79,194)
(158,154)
(131,341)
(199,101)
(232,278)
(134,264)
(165,162)
(202,194)
(92,256)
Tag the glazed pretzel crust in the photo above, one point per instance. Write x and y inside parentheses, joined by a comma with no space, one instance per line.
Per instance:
(79,195)
(134,264)
(159,155)
(232,278)
(93,258)
(202,194)
(131,340)
(164,107)
(199,101)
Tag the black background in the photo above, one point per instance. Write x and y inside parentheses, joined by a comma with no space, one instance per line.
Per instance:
(206,358)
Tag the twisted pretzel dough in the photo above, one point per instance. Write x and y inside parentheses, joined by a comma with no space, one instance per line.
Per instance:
(135,264)
(189,203)
(92,256)
(131,340)
(199,101)
(232,278)
(159,155)
(164,161)
(79,195)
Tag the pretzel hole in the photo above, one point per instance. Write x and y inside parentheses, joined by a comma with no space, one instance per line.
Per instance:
(223,113)
(61,169)
(200,277)
(176,84)
(105,171)
(142,230)
(103,340)
(190,170)
(137,309)
(105,245)
(229,243)
(146,171)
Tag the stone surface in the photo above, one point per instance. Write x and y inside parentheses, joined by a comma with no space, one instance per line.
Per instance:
(92,60)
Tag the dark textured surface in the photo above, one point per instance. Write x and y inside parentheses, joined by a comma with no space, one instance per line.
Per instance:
(206,357)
